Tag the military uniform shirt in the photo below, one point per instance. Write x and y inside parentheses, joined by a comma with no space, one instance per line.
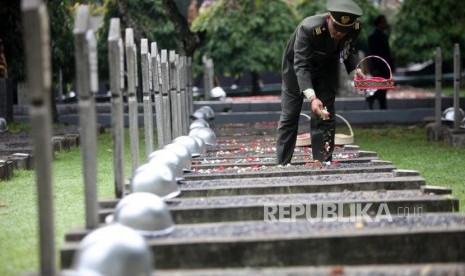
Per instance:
(311,46)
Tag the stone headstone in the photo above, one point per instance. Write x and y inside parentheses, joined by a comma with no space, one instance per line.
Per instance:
(438,76)
(121,65)
(85,46)
(189,86)
(156,83)
(36,39)
(183,92)
(155,67)
(208,76)
(72,140)
(147,97)
(57,143)
(455,137)
(457,74)
(173,83)
(116,64)
(22,161)
(166,101)
(179,95)
(6,169)
(131,66)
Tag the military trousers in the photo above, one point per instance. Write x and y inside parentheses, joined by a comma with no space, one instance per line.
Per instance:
(322,131)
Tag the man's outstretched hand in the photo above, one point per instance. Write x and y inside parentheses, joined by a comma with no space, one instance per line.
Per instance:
(358,72)
(317,108)
(316,105)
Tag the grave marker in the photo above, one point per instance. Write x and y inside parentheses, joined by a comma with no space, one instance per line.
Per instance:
(37,49)
(179,94)
(208,76)
(189,88)
(183,92)
(115,59)
(156,79)
(457,114)
(438,73)
(174,88)
(165,84)
(147,97)
(132,98)
(87,84)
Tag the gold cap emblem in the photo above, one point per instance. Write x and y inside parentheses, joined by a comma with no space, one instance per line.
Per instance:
(345,19)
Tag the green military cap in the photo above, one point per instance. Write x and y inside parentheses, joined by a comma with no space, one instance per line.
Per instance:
(343,14)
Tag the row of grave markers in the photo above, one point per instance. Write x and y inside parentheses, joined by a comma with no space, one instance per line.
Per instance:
(166,76)
(449,126)
(438,86)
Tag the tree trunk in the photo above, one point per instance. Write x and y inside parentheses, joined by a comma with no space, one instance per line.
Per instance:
(128,20)
(54,107)
(256,88)
(189,41)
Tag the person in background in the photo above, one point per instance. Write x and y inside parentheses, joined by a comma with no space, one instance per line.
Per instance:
(3,64)
(378,45)
(309,71)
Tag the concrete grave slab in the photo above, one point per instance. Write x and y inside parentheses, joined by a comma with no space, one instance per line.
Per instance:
(258,207)
(301,184)
(22,161)
(346,270)
(428,238)
(6,169)
(290,171)
(239,188)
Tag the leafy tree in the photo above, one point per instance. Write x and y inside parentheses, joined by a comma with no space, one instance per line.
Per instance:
(148,20)
(60,20)
(157,20)
(11,34)
(244,35)
(308,8)
(62,41)
(423,25)
(61,36)
(188,41)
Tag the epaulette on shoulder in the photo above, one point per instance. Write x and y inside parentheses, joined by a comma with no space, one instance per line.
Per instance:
(318,30)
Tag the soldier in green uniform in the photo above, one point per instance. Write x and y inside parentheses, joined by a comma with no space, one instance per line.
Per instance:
(310,70)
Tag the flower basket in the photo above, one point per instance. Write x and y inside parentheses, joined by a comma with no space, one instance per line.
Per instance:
(373,83)
(305,139)
(344,139)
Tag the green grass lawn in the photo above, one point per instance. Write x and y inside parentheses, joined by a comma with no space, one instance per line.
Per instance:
(405,146)
(446,90)
(18,203)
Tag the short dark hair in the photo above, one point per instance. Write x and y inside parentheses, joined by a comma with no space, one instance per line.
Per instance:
(380,18)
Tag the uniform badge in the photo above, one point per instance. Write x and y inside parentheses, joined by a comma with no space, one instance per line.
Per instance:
(345,19)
